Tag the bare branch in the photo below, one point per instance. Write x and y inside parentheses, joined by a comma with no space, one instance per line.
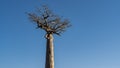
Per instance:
(48,21)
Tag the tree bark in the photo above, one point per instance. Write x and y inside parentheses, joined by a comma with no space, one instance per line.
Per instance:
(49,52)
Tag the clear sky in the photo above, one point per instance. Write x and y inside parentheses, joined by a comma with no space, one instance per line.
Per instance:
(93,41)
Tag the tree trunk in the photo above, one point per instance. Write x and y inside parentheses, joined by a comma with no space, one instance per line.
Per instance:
(49,52)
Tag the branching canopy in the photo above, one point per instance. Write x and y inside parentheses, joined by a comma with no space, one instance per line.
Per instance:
(48,21)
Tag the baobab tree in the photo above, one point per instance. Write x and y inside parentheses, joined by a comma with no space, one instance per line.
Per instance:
(52,24)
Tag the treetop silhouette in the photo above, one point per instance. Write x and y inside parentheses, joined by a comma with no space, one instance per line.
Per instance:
(48,21)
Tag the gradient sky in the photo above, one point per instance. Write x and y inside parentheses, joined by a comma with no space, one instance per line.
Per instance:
(93,41)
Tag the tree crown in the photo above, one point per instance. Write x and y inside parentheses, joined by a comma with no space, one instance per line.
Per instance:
(48,21)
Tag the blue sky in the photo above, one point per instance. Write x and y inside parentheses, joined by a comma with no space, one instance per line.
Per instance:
(93,41)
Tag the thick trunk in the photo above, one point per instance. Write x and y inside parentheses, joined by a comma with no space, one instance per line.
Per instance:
(49,52)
